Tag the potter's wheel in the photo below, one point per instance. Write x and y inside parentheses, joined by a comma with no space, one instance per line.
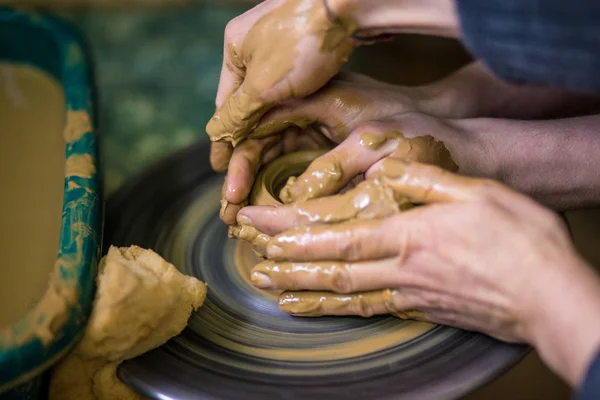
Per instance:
(238,345)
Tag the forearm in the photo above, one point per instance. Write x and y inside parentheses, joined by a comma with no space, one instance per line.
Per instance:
(473,91)
(554,161)
(375,17)
(563,308)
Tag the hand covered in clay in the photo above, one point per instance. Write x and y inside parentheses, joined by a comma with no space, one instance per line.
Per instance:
(318,121)
(276,51)
(251,154)
(469,257)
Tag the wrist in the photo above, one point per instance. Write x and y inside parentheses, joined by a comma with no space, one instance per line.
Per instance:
(563,318)
(378,17)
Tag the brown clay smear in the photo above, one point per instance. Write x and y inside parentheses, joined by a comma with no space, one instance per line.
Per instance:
(78,124)
(365,304)
(250,234)
(373,141)
(295,19)
(304,188)
(325,105)
(81,165)
(421,183)
(327,174)
(369,199)
(32,163)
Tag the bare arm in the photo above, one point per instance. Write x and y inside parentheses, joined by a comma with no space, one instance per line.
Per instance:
(375,17)
(473,91)
(554,161)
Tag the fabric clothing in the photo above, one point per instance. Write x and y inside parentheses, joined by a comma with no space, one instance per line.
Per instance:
(540,42)
(590,390)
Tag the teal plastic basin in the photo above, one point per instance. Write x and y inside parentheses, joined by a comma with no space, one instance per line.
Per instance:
(45,334)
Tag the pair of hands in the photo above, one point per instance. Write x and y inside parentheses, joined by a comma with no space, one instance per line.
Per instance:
(477,255)
(342,113)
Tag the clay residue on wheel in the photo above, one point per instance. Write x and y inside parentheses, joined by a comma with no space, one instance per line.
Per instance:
(141,302)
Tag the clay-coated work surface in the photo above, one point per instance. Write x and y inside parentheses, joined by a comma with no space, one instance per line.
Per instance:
(242,343)
(32,164)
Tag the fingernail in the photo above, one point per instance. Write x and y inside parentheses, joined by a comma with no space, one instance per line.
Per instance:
(244,220)
(274,251)
(260,280)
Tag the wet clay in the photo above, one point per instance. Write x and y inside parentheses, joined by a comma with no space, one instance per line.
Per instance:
(368,200)
(141,302)
(326,175)
(326,106)
(374,141)
(32,172)
(268,181)
(422,183)
(294,20)
(422,149)
(272,177)
(250,235)
(366,304)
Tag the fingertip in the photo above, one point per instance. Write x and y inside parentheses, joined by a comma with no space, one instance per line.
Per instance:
(228,212)
(260,280)
(247,214)
(274,250)
(269,219)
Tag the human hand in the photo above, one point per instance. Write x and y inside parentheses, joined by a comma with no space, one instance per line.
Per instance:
(276,51)
(468,258)
(316,122)
(251,154)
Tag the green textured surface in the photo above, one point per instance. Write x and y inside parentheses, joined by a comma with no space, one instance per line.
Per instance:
(157,75)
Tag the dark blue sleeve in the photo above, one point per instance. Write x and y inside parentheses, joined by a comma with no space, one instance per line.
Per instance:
(540,42)
(590,390)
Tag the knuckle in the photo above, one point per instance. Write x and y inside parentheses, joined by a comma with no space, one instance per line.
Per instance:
(231,29)
(342,281)
(349,248)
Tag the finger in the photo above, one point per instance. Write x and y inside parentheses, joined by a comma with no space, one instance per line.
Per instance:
(424,184)
(339,277)
(350,241)
(331,172)
(368,200)
(220,155)
(228,211)
(365,304)
(245,162)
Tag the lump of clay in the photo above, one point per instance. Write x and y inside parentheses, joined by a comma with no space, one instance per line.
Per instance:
(142,301)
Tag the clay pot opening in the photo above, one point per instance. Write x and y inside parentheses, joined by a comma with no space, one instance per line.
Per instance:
(274,175)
